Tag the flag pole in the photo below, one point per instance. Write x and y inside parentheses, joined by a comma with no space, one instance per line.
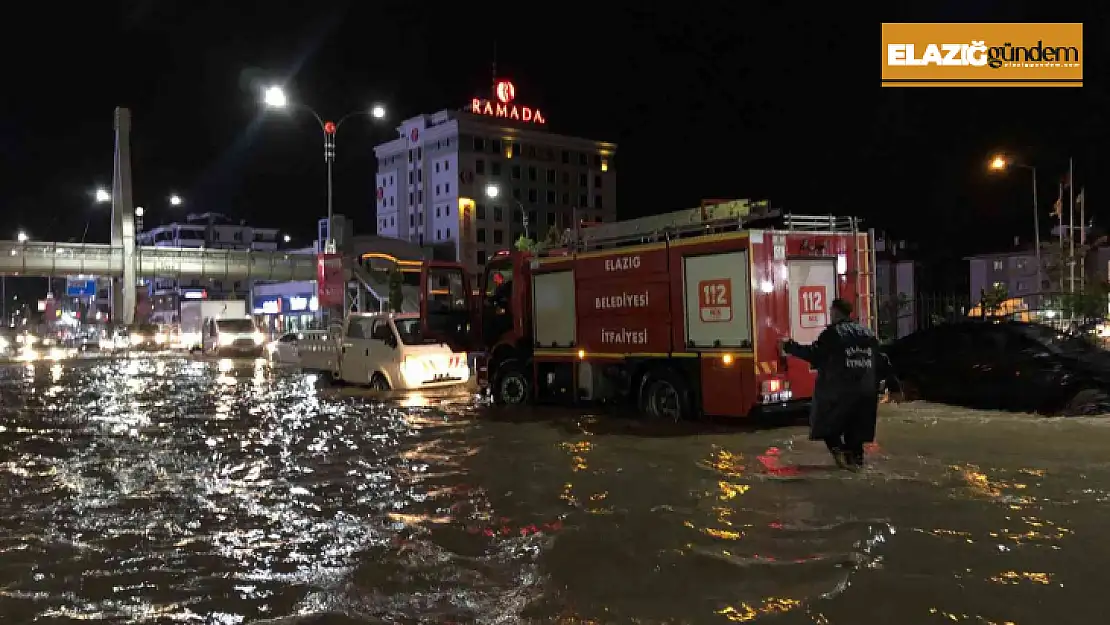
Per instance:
(1060,230)
(1082,240)
(1071,224)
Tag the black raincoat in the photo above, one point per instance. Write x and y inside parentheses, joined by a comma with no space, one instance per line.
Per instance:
(849,368)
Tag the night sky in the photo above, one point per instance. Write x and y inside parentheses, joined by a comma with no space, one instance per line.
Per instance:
(783,104)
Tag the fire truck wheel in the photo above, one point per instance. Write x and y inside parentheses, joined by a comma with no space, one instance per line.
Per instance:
(665,396)
(510,386)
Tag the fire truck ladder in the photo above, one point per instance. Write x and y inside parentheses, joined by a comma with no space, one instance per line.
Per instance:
(721,217)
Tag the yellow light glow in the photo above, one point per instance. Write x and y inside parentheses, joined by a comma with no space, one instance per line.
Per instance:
(604,164)
(727,359)
(581,354)
(998,162)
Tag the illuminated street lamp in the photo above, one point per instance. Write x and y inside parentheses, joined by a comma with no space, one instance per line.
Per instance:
(274,97)
(1000,163)
(21,237)
(287,238)
(492,191)
(102,196)
(175,200)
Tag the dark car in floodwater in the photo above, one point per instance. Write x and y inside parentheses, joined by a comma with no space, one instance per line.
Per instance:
(1006,365)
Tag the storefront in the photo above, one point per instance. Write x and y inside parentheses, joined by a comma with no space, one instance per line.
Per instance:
(286,307)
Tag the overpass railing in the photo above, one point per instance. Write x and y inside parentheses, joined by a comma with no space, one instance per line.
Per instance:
(61,259)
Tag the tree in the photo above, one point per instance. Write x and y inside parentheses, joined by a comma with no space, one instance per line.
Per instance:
(992,299)
(524,244)
(396,291)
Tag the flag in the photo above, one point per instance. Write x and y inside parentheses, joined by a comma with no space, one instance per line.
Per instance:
(1057,208)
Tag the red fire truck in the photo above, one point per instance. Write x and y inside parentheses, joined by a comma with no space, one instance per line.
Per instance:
(678,314)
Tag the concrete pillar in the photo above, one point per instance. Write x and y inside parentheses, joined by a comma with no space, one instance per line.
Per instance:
(123,222)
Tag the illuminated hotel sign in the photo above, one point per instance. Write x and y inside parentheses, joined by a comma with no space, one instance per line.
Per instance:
(504,105)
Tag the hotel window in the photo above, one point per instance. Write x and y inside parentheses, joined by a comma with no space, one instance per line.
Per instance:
(531,174)
(479,144)
(479,166)
(498,237)
(998,265)
(516,172)
(550,176)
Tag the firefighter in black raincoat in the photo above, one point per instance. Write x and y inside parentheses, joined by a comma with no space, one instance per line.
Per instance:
(846,395)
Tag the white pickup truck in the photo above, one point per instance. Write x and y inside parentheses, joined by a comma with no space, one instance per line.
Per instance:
(385,351)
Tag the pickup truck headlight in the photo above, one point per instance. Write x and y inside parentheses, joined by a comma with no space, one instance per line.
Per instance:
(259,338)
(226,339)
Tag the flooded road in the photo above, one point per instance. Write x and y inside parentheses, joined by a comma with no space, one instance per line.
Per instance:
(164,490)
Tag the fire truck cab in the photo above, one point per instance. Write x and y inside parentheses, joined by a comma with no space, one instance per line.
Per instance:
(679,315)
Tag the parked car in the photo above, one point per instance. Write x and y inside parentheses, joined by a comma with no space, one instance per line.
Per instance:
(1006,365)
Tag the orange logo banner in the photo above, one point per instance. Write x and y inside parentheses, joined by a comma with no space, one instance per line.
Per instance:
(982,55)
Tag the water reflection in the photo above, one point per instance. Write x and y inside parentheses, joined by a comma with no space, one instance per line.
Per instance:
(224,491)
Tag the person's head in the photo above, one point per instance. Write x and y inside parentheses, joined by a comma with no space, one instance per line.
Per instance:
(841,310)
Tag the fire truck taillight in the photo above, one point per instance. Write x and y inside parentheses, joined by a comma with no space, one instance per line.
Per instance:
(774,391)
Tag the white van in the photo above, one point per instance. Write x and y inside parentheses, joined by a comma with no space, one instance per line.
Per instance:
(388,351)
(236,336)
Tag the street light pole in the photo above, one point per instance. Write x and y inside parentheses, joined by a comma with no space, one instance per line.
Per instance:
(1000,163)
(274,97)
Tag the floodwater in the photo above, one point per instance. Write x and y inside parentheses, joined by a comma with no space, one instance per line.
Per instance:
(165,490)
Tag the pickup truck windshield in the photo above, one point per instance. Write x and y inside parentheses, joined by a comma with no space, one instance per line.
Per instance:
(235,325)
(409,331)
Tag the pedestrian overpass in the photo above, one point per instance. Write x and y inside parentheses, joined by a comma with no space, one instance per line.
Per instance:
(71,259)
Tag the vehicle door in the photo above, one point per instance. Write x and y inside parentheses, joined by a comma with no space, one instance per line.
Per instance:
(385,356)
(982,373)
(1030,376)
(354,354)
(445,304)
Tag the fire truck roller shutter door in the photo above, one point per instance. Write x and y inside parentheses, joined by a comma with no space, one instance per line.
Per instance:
(553,309)
(718,300)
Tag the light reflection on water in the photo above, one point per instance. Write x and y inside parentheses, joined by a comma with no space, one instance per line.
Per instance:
(155,489)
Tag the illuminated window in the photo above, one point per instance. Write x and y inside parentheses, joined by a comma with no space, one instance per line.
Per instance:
(604,164)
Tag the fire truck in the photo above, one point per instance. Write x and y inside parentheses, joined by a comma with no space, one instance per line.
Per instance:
(678,315)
